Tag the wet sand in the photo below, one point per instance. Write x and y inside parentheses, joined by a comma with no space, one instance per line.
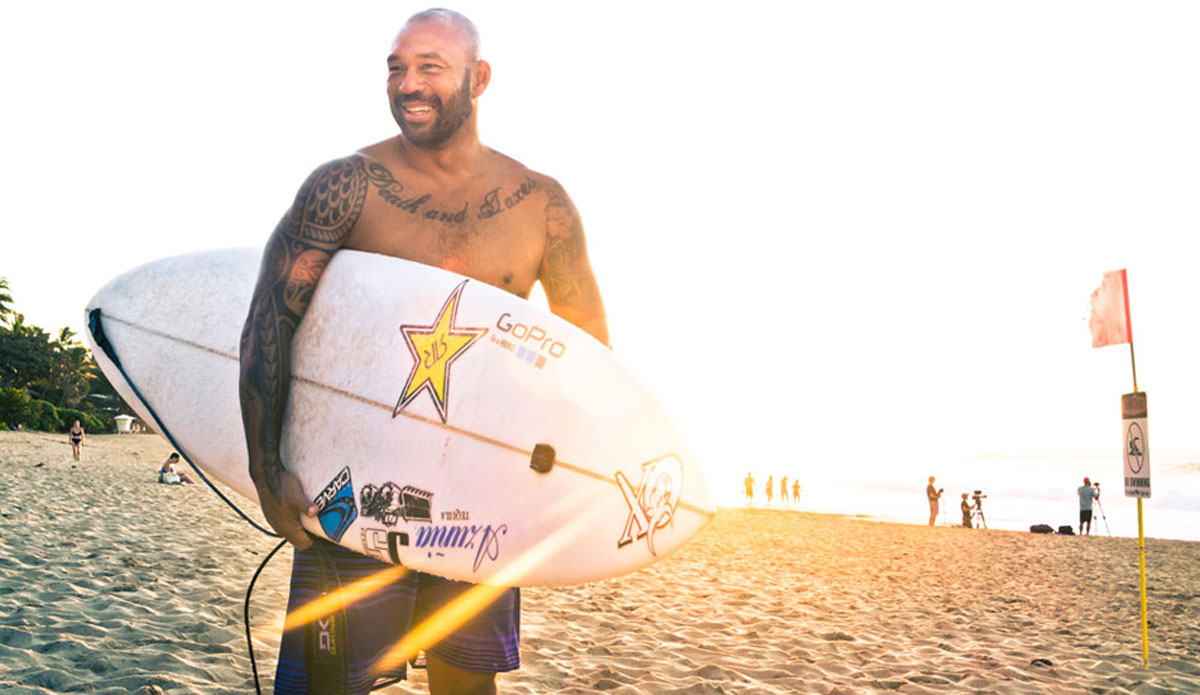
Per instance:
(113,584)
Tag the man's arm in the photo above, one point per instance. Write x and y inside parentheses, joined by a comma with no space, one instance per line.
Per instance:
(565,272)
(322,216)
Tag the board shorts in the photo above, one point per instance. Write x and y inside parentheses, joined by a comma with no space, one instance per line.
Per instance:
(1085,516)
(487,643)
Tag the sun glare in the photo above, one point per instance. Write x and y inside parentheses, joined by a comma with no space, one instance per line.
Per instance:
(475,599)
(336,600)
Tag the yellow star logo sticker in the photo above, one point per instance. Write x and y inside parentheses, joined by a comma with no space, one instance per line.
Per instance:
(434,348)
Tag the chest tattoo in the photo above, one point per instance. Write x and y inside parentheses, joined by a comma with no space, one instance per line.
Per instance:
(493,204)
(395,194)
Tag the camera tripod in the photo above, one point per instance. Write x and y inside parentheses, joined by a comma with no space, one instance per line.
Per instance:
(977,513)
(1101,506)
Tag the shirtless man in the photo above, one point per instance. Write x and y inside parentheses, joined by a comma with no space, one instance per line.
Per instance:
(436,195)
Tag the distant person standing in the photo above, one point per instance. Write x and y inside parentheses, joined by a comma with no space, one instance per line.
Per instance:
(749,489)
(796,492)
(75,436)
(935,497)
(770,489)
(966,511)
(783,495)
(1087,493)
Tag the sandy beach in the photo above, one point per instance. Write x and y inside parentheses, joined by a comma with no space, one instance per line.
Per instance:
(113,584)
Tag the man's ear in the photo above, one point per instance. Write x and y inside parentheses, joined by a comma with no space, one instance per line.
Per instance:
(482,76)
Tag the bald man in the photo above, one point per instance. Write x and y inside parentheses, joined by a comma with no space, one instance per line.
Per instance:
(433,193)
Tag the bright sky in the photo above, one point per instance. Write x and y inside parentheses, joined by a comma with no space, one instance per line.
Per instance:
(843,240)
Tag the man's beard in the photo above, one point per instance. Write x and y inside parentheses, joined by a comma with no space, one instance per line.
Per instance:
(450,116)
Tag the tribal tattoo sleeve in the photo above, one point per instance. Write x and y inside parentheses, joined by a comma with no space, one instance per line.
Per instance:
(325,211)
(565,273)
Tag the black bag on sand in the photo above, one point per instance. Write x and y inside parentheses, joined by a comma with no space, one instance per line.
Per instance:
(1067,530)
(1041,528)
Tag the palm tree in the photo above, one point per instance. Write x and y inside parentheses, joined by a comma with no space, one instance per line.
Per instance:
(5,301)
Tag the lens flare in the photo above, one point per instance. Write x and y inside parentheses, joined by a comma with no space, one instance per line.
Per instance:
(336,600)
(451,616)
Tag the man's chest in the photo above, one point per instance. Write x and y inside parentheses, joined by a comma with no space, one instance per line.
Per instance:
(494,231)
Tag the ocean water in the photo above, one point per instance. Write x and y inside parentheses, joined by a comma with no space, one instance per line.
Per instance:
(1023,490)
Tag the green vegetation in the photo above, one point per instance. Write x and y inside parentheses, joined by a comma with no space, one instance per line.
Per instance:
(47,382)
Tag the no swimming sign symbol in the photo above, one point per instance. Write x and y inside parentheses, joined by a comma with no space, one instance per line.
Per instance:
(1136,450)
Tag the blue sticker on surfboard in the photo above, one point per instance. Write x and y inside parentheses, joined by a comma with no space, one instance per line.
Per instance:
(336,505)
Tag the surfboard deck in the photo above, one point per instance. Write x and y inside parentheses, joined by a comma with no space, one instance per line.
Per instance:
(437,422)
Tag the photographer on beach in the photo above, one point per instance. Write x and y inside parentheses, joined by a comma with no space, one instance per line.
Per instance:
(1087,492)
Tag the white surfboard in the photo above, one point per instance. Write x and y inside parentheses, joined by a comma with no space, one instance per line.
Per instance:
(421,405)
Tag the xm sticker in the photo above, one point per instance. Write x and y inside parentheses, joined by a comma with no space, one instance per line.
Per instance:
(652,503)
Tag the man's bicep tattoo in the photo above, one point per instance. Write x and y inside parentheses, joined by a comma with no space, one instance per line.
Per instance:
(565,273)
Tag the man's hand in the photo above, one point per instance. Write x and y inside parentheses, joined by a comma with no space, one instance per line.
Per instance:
(283,513)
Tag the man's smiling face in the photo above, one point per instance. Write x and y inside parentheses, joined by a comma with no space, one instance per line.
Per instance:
(429,85)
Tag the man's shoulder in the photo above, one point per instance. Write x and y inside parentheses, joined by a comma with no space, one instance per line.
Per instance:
(348,167)
(504,165)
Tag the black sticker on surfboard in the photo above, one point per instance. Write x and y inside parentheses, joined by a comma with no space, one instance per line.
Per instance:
(389,503)
(384,544)
(336,505)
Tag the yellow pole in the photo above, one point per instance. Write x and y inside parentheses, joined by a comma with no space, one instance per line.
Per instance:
(1142,566)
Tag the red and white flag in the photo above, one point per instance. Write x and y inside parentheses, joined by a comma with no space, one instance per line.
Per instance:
(1110,311)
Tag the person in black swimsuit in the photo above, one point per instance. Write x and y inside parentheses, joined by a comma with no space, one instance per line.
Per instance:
(76,436)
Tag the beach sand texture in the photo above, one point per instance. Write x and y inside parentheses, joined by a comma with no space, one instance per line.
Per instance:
(110,583)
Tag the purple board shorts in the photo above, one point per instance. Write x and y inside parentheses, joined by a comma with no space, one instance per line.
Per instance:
(487,643)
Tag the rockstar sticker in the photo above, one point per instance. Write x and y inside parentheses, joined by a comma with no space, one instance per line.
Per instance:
(434,348)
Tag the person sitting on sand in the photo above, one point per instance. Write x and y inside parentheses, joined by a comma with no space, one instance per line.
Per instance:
(169,476)
(966,511)
(75,435)
(1087,493)
(749,489)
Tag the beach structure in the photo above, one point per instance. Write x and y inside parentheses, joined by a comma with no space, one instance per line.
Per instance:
(124,424)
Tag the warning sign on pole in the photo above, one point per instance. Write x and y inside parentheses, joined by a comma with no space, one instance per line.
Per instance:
(1137,445)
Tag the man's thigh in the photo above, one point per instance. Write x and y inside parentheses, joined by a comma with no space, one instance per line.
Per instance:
(445,679)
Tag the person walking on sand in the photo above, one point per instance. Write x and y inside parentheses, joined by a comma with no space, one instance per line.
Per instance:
(75,436)
(783,490)
(770,489)
(1086,493)
(796,492)
(966,511)
(935,496)
(432,193)
(749,489)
